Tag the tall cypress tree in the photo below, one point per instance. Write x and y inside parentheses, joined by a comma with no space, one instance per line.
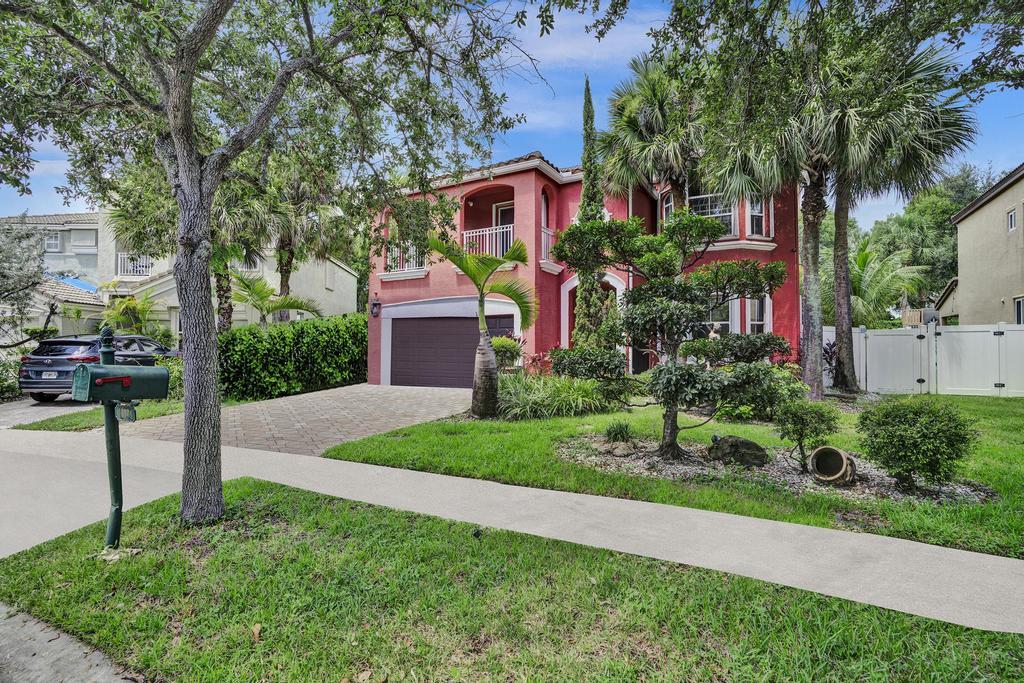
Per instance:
(590,298)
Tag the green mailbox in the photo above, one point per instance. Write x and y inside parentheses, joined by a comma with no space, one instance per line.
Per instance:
(118,382)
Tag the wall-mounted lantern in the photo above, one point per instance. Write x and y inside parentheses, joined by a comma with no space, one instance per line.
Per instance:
(375,307)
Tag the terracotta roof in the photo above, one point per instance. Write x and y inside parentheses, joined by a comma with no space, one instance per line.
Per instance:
(61,291)
(990,193)
(54,218)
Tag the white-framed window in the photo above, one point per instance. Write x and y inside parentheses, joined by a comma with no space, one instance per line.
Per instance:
(1018,309)
(544,210)
(724,318)
(666,205)
(759,218)
(1011,219)
(503,213)
(51,241)
(759,315)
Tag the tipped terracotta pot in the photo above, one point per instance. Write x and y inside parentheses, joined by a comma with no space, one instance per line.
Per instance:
(830,465)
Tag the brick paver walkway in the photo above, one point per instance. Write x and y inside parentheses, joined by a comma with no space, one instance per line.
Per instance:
(310,423)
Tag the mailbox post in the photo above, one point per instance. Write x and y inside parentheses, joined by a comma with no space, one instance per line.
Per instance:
(117,388)
(113,437)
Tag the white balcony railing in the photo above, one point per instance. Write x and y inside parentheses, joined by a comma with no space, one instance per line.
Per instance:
(712,206)
(494,240)
(404,258)
(133,265)
(547,240)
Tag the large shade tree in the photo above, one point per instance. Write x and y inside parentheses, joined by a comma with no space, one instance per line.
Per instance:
(199,84)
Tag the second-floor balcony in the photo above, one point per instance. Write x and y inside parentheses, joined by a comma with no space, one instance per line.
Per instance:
(494,240)
(134,265)
(403,259)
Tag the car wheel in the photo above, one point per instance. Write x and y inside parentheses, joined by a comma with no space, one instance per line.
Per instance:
(43,398)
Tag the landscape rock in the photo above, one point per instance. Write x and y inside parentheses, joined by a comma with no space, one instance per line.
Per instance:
(735,450)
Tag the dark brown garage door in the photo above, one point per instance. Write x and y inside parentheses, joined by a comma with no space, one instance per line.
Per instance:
(438,352)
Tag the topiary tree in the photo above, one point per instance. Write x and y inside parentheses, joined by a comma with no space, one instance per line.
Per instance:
(507,351)
(669,312)
(916,438)
(807,424)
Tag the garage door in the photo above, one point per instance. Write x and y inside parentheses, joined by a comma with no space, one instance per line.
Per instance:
(438,352)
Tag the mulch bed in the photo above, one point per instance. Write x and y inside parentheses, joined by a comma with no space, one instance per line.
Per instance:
(638,457)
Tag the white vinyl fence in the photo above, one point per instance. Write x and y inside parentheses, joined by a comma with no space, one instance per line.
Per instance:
(979,360)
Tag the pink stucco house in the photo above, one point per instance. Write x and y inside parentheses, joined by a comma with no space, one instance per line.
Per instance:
(423,328)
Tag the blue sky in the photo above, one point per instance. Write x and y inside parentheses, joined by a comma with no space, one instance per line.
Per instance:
(554,110)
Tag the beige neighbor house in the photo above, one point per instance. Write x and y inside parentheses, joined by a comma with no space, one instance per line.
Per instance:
(990,245)
(83,245)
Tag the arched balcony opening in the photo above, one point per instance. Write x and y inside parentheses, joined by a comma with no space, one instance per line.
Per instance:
(488,220)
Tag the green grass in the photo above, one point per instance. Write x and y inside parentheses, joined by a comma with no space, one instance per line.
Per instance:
(341,589)
(93,419)
(524,453)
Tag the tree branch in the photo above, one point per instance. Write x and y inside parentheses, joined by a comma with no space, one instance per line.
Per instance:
(137,97)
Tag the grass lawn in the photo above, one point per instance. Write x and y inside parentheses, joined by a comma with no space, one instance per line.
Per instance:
(348,591)
(93,419)
(524,453)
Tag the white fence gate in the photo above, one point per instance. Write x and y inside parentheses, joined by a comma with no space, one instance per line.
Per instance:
(979,360)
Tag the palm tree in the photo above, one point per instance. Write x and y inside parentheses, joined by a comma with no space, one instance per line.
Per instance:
(479,268)
(899,141)
(135,315)
(877,283)
(257,292)
(651,134)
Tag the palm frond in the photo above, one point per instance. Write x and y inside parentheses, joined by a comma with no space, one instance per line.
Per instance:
(294,303)
(521,295)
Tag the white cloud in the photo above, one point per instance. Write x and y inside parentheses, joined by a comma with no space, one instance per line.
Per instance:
(569,45)
(50,167)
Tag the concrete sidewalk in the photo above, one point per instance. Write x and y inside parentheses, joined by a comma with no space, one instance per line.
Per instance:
(971,589)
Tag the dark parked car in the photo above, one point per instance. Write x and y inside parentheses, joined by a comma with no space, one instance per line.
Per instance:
(46,372)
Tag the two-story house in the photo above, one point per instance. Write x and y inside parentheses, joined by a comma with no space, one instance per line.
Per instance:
(84,246)
(423,326)
(989,287)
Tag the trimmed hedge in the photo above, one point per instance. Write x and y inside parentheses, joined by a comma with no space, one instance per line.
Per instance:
(292,358)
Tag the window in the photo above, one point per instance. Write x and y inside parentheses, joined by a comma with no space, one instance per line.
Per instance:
(720,319)
(1011,220)
(328,276)
(1018,307)
(759,315)
(503,213)
(544,210)
(666,205)
(52,241)
(757,225)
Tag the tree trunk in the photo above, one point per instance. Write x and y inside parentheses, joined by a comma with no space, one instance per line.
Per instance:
(485,379)
(202,496)
(225,307)
(669,448)
(845,376)
(285,266)
(813,208)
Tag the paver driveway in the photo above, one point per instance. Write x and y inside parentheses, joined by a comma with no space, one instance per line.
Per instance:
(310,423)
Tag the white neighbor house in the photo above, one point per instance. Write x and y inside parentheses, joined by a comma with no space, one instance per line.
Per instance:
(84,244)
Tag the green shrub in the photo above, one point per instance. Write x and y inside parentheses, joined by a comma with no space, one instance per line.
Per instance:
(782,387)
(507,350)
(9,377)
(916,437)
(587,362)
(176,381)
(807,424)
(290,358)
(618,430)
(524,396)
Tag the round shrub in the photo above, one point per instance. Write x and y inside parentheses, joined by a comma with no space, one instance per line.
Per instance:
(916,438)
(589,362)
(507,351)
(618,430)
(807,424)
